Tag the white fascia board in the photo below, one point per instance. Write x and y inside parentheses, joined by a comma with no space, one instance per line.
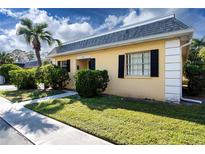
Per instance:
(124,28)
(128,42)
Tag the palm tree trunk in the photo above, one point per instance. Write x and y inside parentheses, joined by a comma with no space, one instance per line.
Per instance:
(37,48)
(38,56)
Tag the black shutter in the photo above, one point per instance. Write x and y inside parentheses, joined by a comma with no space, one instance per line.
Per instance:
(121,66)
(92,64)
(68,65)
(154,63)
(59,63)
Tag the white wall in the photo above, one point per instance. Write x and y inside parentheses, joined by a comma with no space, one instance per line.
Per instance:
(173,68)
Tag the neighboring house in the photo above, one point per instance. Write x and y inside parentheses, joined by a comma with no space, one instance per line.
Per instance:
(144,60)
(29,64)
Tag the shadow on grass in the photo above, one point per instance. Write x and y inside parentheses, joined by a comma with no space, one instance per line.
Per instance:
(52,107)
(194,113)
(24,95)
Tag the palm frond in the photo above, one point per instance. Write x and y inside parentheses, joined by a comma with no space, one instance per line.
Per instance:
(27,22)
(47,33)
(58,42)
(39,28)
(49,41)
(22,30)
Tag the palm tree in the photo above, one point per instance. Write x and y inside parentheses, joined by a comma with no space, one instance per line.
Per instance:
(6,58)
(197,44)
(34,34)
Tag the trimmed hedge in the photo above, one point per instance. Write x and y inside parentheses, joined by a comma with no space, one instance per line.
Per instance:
(90,83)
(5,68)
(52,76)
(24,78)
(196,76)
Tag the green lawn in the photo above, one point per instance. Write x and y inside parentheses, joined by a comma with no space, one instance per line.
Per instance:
(23,95)
(129,122)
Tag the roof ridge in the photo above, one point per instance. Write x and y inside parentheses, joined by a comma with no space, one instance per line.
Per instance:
(136,24)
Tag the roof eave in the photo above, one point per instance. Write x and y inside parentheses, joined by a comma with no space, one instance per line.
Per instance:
(128,42)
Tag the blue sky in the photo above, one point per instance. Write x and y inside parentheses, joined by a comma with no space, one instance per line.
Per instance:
(68,24)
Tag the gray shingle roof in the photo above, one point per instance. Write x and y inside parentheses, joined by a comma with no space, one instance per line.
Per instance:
(159,27)
(31,64)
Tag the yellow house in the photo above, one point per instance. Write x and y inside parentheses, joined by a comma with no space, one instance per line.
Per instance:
(143,60)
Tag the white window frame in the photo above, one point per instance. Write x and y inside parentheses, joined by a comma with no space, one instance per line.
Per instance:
(129,69)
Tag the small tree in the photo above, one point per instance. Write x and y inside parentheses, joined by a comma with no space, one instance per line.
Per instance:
(24,78)
(202,54)
(6,68)
(6,58)
(196,76)
(52,76)
(194,68)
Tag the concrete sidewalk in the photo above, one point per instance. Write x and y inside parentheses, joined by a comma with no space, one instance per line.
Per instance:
(8,87)
(9,136)
(43,130)
(22,104)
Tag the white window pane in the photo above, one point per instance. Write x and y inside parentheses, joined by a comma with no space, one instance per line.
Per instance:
(139,73)
(146,72)
(139,58)
(146,66)
(139,66)
(146,58)
(146,54)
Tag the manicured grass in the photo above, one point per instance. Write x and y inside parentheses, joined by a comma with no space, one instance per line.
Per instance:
(23,95)
(129,122)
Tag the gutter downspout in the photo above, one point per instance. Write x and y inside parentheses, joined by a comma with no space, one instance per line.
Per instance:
(182,98)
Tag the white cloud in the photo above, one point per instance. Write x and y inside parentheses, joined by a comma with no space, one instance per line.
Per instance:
(59,27)
(144,14)
(110,22)
(133,17)
(8,12)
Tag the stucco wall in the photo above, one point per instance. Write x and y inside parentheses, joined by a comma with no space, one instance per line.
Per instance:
(139,87)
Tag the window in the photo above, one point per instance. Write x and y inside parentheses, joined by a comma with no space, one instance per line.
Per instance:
(64,65)
(138,64)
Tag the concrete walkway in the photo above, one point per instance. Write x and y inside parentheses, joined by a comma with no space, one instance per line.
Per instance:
(41,129)
(9,136)
(8,87)
(22,104)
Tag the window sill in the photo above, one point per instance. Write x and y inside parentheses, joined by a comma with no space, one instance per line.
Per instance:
(137,77)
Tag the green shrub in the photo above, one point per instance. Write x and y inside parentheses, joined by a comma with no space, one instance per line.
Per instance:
(5,68)
(52,76)
(196,76)
(90,83)
(23,78)
(46,62)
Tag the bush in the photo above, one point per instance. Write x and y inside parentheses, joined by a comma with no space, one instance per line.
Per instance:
(196,76)
(52,76)
(46,62)
(5,68)
(23,78)
(90,83)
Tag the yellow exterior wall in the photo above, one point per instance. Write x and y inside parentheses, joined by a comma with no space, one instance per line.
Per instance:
(137,87)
